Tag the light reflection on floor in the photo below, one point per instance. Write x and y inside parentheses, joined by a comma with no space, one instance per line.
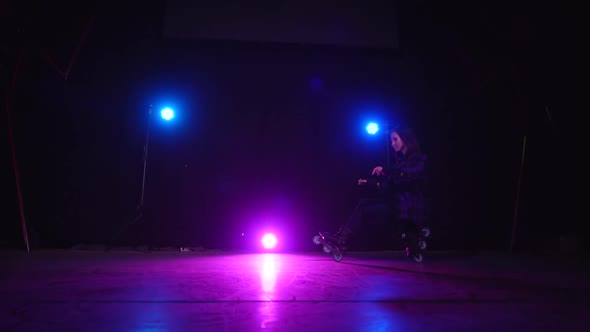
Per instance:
(268,273)
(268,269)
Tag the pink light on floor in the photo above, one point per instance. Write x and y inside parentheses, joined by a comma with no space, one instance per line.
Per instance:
(269,241)
(268,272)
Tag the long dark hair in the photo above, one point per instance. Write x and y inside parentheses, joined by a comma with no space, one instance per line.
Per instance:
(413,153)
(411,142)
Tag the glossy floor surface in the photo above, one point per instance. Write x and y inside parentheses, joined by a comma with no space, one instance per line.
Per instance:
(216,291)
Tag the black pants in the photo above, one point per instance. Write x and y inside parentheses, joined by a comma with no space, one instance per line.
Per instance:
(382,207)
(374,206)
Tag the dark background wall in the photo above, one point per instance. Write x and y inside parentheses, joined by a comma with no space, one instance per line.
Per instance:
(271,135)
(322,22)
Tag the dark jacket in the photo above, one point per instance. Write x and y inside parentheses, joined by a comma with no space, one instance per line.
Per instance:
(406,182)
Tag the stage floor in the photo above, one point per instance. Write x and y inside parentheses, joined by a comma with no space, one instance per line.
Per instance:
(216,291)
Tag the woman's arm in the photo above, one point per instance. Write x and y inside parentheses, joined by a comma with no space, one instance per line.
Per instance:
(412,170)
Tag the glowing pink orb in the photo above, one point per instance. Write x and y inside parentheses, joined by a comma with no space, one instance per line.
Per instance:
(269,241)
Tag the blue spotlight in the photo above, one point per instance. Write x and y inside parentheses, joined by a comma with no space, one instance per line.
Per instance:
(372,128)
(167,114)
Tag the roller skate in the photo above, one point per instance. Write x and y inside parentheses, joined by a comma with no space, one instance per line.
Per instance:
(416,245)
(333,243)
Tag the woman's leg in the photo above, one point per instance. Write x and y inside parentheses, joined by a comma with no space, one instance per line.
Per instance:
(355,221)
(411,233)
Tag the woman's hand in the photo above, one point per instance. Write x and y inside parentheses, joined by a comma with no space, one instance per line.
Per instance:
(378,171)
(362,182)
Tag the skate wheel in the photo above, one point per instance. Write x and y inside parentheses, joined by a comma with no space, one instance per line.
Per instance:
(337,256)
(327,248)
(317,240)
(422,245)
(417,258)
(425,231)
